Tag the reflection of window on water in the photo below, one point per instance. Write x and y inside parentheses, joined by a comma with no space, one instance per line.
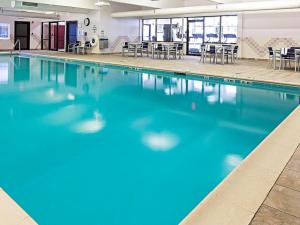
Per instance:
(3,73)
(228,94)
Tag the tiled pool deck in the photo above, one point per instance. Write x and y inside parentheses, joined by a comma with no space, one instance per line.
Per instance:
(264,189)
(282,205)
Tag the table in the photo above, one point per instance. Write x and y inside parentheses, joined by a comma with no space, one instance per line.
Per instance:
(220,49)
(166,45)
(135,46)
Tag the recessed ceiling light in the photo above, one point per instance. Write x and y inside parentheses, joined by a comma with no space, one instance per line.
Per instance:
(102,3)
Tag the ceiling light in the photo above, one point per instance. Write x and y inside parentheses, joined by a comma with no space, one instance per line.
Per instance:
(102,3)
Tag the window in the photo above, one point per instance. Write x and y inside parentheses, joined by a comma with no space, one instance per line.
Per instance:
(229,29)
(212,29)
(4,31)
(149,30)
(163,30)
(178,29)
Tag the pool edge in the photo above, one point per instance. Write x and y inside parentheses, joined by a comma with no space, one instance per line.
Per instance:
(236,200)
(188,72)
(11,213)
(238,197)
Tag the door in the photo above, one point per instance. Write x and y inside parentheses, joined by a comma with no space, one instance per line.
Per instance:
(71,32)
(22,34)
(195,36)
(45,36)
(53,36)
(61,36)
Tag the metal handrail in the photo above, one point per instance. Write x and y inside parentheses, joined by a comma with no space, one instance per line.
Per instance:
(19,46)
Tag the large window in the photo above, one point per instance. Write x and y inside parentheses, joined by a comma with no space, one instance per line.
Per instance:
(179,29)
(163,30)
(149,30)
(4,31)
(212,28)
(166,30)
(229,29)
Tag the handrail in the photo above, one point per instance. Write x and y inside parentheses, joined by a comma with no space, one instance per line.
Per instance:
(19,46)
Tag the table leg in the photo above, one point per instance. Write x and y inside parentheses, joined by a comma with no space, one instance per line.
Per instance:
(274,60)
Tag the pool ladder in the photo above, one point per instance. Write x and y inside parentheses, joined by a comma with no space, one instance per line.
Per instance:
(18,43)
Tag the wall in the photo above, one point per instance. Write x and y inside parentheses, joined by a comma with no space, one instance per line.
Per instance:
(102,24)
(261,30)
(35,30)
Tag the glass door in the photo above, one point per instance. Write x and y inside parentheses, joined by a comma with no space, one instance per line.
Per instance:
(22,34)
(61,32)
(45,36)
(53,36)
(195,35)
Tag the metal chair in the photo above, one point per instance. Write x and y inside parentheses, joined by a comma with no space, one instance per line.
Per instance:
(72,47)
(212,53)
(125,48)
(289,57)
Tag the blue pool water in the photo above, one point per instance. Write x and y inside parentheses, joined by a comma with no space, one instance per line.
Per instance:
(104,145)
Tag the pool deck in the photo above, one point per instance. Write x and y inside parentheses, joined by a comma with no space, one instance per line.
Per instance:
(264,189)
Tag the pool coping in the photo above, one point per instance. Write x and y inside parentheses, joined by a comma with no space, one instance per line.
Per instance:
(11,213)
(238,197)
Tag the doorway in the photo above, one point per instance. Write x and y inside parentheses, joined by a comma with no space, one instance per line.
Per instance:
(72,27)
(195,36)
(22,33)
(53,36)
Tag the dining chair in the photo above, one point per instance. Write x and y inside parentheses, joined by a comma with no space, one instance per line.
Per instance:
(289,56)
(271,55)
(145,48)
(160,50)
(202,53)
(125,48)
(212,53)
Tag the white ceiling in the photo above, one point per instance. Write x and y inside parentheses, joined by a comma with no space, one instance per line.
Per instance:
(116,5)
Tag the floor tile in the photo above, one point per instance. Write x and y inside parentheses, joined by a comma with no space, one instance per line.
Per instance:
(290,179)
(285,200)
(270,216)
(294,164)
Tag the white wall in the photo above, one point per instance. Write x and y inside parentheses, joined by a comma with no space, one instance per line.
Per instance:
(116,30)
(259,31)
(35,32)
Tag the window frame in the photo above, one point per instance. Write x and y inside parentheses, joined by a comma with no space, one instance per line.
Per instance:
(8,31)
(186,28)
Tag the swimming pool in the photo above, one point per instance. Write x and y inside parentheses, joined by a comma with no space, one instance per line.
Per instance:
(89,144)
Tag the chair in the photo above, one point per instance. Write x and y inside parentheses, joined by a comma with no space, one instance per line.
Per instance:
(212,53)
(145,48)
(202,53)
(159,50)
(83,49)
(235,53)
(271,55)
(180,51)
(72,47)
(290,56)
(125,48)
